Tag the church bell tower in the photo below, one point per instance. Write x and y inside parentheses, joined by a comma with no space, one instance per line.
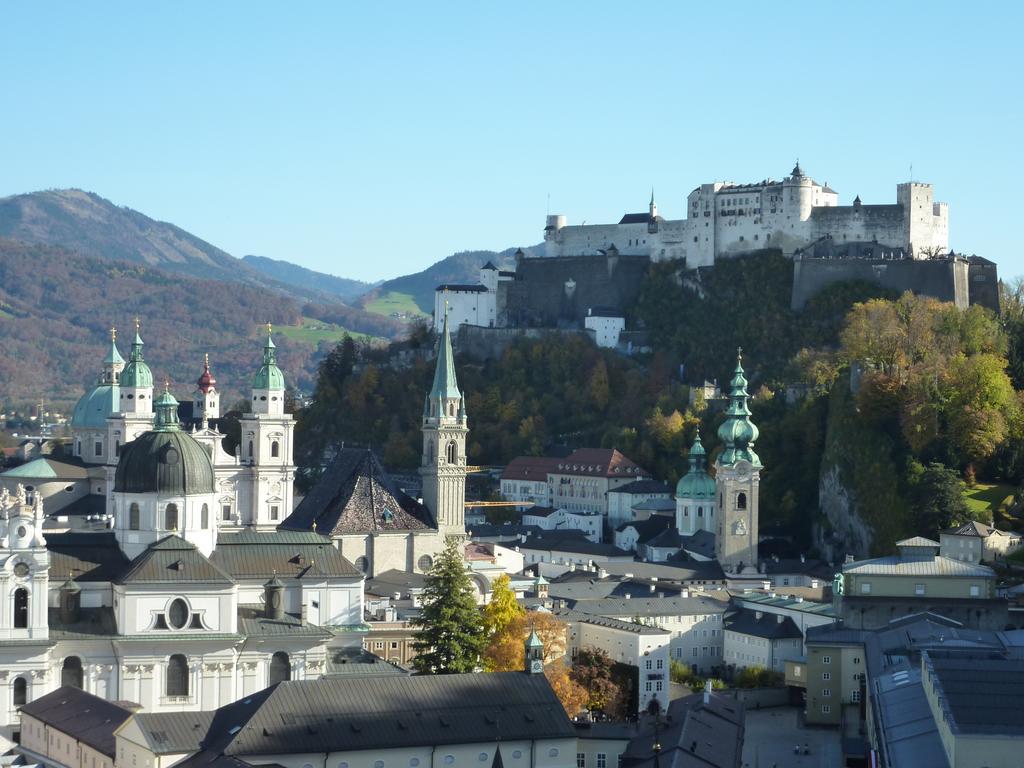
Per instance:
(737,477)
(443,468)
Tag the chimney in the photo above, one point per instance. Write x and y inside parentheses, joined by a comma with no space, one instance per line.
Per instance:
(602,573)
(758,615)
(799,599)
(304,612)
(572,567)
(628,596)
(686,593)
(780,617)
(707,692)
(803,558)
(652,588)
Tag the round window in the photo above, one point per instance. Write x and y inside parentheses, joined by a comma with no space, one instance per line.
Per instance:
(425,563)
(177,614)
(21,569)
(449,759)
(378,764)
(22,531)
(362,564)
(517,753)
(552,752)
(413,762)
(483,757)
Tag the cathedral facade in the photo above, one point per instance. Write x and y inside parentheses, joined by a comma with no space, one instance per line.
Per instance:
(192,582)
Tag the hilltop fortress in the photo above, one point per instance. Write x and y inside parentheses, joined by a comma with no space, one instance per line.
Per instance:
(724,219)
(588,276)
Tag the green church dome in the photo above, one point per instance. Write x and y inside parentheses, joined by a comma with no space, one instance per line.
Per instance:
(93,408)
(738,432)
(697,483)
(269,376)
(166,460)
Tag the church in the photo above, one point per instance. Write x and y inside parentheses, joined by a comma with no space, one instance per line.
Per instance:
(194,583)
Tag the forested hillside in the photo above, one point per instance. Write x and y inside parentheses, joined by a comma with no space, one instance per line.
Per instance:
(56,308)
(931,407)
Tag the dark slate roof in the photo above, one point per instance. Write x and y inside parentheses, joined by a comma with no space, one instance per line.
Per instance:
(81,716)
(638,218)
(352,497)
(980,692)
(252,623)
(973,529)
(571,541)
(347,662)
(768,626)
(677,568)
(457,287)
(173,732)
(334,714)
(173,560)
(643,487)
(639,605)
(169,462)
(85,556)
(702,542)
(695,735)
(649,528)
(667,538)
(489,265)
(90,504)
(295,554)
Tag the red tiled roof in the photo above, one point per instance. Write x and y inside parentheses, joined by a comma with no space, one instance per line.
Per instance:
(529,468)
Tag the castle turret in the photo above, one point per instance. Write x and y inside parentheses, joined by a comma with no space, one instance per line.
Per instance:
(443,467)
(737,478)
(798,193)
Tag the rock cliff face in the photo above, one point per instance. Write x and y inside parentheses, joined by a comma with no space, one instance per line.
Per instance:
(862,507)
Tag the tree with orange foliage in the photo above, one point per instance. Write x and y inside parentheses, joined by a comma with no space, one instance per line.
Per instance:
(506,650)
(572,695)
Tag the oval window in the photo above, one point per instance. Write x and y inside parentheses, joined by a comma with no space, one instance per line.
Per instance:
(517,753)
(483,757)
(177,614)
(378,764)
(449,759)
(413,762)
(22,531)
(172,456)
(553,752)
(21,569)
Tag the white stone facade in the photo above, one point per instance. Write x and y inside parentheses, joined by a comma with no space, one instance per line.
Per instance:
(724,218)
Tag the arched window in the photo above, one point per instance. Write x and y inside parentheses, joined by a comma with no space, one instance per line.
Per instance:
(741,501)
(451,409)
(133,517)
(117,447)
(177,675)
(275,449)
(171,517)
(250,449)
(686,511)
(700,511)
(453,452)
(20,691)
(204,517)
(21,608)
(71,672)
(430,451)
(280,668)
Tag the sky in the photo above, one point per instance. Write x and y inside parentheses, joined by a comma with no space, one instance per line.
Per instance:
(369,140)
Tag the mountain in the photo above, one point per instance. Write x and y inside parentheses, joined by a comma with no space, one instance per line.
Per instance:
(56,307)
(308,279)
(461,267)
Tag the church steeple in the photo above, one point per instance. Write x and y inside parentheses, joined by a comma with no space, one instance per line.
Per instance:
(206,402)
(166,407)
(653,206)
(268,383)
(113,363)
(136,394)
(443,466)
(738,432)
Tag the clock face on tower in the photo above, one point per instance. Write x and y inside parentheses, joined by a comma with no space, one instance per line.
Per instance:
(536,665)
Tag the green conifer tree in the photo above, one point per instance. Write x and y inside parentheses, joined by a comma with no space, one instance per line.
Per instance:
(450,635)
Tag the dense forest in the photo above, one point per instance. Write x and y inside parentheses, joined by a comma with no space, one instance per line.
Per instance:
(933,403)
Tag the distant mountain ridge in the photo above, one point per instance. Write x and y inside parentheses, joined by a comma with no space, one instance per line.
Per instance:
(463,267)
(286,272)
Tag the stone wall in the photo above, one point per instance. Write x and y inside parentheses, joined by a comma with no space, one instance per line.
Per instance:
(557,292)
(944,279)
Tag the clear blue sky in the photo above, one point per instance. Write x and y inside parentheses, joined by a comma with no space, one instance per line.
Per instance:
(371,139)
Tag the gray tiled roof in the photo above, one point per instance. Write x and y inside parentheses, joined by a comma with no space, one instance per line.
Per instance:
(980,692)
(295,554)
(173,732)
(173,560)
(651,606)
(622,626)
(894,565)
(252,623)
(639,487)
(917,541)
(85,556)
(356,495)
(768,625)
(82,716)
(346,714)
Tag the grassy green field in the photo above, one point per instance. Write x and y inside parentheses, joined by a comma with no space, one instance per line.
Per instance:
(312,331)
(985,499)
(392,302)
